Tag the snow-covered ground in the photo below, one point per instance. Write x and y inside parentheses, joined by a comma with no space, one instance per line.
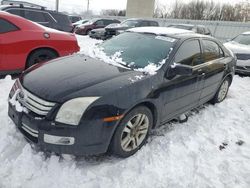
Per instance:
(177,155)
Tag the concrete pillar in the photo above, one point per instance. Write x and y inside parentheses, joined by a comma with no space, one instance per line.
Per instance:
(140,8)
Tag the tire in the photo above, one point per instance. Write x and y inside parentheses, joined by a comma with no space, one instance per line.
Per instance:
(132,132)
(40,56)
(221,94)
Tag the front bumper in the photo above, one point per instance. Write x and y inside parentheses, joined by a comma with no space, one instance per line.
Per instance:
(88,138)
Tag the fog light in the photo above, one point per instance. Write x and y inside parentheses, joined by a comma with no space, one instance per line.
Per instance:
(58,140)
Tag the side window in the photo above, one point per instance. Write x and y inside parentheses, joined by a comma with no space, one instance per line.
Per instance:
(144,23)
(107,22)
(99,23)
(17,12)
(153,23)
(211,51)
(34,16)
(6,26)
(189,53)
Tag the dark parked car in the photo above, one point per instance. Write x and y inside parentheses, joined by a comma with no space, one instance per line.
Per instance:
(89,106)
(38,14)
(85,28)
(240,46)
(74,18)
(201,29)
(115,29)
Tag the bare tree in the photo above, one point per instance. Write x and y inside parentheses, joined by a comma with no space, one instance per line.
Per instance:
(113,12)
(205,10)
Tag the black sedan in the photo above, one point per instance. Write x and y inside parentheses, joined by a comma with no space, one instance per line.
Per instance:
(81,105)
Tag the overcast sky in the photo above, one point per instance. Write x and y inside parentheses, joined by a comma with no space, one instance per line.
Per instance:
(98,5)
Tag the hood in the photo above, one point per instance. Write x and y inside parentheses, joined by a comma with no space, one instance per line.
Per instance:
(59,79)
(237,48)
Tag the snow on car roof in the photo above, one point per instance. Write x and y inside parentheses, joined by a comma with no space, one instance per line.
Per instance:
(246,33)
(160,30)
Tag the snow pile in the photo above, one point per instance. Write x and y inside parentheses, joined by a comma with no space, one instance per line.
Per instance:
(212,149)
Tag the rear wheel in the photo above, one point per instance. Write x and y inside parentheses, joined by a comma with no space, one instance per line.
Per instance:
(222,91)
(40,56)
(132,132)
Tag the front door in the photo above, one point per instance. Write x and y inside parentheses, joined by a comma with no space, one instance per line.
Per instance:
(182,93)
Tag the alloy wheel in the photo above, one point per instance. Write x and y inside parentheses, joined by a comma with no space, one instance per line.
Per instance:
(223,91)
(134,132)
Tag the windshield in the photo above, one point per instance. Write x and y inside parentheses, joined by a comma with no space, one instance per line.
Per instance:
(139,49)
(129,23)
(242,39)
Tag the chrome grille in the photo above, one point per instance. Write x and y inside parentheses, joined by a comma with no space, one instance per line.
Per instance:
(29,130)
(34,103)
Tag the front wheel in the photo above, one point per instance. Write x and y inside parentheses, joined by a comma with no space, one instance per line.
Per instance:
(221,94)
(132,132)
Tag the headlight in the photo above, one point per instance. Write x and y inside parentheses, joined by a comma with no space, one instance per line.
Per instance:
(72,110)
(14,88)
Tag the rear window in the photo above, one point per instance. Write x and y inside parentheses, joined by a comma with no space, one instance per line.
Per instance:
(6,26)
(62,19)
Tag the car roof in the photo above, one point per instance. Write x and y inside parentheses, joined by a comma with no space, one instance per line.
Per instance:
(3,7)
(169,31)
(246,33)
(159,30)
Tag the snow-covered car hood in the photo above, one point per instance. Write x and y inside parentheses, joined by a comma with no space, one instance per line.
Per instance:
(76,76)
(237,48)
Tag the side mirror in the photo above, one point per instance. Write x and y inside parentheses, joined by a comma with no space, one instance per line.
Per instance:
(179,69)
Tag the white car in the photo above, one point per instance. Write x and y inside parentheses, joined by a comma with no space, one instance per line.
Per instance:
(240,46)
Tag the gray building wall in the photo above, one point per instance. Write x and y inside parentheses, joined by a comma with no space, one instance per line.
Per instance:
(140,8)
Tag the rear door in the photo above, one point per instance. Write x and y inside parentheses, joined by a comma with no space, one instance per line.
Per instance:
(214,65)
